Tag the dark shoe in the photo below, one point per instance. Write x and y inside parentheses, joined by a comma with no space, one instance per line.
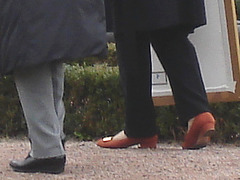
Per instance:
(63,144)
(53,165)
(198,135)
(124,142)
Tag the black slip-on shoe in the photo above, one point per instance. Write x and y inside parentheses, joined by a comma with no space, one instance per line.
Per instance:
(53,165)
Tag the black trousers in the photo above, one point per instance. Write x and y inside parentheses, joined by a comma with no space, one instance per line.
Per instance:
(180,62)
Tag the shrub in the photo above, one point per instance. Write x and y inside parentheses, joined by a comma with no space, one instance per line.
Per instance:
(228,121)
(94,105)
(93,100)
(12,122)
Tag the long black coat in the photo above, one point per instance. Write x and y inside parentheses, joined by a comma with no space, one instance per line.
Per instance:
(38,31)
(156,14)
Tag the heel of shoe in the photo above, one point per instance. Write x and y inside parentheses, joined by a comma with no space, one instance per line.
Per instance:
(199,132)
(149,142)
(203,139)
(205,136)
(207,130)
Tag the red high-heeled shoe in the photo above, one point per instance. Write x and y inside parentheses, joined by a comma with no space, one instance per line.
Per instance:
(198,136)
(110,142)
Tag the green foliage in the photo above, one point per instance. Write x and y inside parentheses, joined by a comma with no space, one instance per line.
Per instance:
(93,101)
(95,106)
(168,123)
(228,121)
(11,122)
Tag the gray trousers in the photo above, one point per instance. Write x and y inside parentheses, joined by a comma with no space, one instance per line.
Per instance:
(40,90)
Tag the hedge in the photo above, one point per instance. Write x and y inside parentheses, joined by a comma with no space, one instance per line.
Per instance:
(93,100)
(95,106)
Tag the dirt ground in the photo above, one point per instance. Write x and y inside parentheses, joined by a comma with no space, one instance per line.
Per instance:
(86,161)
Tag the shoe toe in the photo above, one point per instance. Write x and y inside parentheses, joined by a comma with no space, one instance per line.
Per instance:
(13,163)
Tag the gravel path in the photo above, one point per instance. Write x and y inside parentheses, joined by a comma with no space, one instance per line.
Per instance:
(86,161)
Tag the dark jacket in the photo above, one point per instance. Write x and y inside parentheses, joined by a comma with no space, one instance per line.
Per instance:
(157,14)
(109,15)
(39,31)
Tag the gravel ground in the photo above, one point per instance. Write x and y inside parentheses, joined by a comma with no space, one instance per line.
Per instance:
(86,161)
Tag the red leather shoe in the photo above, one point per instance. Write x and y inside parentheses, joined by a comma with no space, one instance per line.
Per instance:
(198,136)
(111,142)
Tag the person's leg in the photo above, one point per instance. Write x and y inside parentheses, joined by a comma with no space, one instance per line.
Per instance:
(180,62)
(133,50)
(135,73)
(35,89)
(179,59)
(58,90)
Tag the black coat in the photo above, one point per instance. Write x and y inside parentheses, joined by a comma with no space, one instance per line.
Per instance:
(39,31)
(109,15)
(156,14)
